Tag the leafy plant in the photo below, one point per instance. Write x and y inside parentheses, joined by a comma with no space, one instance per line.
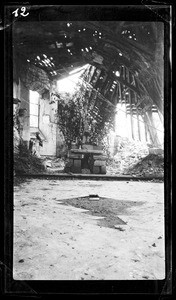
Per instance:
(77,118)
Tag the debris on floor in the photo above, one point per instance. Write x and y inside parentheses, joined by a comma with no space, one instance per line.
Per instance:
(94,197)
(136,159)
(152,164)
(118,237)
(130,158)
(53,164)
(25,162)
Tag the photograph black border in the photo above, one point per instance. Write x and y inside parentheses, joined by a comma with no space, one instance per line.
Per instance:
(132,12)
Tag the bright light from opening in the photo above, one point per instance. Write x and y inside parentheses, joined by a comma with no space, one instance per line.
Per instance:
(121,127)
(159,126)
(117,73)
(69,83)
(33,108)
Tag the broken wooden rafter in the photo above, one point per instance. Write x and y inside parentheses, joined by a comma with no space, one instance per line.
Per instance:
(118,79)
(114,97)
(100,96)
(121,80)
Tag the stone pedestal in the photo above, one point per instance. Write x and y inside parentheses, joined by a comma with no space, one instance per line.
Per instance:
(86,159)
(76,167)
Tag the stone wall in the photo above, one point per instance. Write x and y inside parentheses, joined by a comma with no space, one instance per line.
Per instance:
(34,78)
(26,78)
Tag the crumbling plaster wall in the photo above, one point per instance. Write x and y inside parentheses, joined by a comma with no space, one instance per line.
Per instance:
(35,79)
(47,121)
(22,93)
(48,126)
(60,145)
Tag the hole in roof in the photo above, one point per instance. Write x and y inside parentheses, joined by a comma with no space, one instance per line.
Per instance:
(69,83)
(117,73)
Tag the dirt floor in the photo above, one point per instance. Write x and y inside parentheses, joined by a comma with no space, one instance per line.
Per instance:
(60,233)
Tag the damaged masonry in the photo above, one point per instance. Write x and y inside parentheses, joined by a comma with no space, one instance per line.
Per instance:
(88,102)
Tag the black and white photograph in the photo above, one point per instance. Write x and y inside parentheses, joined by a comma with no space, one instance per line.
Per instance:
(89,133)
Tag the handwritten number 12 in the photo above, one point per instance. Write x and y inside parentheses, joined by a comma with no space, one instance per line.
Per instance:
(23,9)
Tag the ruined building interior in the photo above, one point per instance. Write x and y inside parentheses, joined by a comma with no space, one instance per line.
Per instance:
(91,108)
(121,64)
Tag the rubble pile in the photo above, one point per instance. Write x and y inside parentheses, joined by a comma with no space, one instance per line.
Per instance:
(151,165)
(130,158)
(127,153)
(25,162)
(135,159)
(53,164)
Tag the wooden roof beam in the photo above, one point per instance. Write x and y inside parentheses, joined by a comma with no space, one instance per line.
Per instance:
(119,79)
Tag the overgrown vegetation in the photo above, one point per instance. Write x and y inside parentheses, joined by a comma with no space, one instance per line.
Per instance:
(76,117)
(25,162)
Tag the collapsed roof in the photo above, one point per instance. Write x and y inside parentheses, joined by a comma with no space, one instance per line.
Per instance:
(127,57)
